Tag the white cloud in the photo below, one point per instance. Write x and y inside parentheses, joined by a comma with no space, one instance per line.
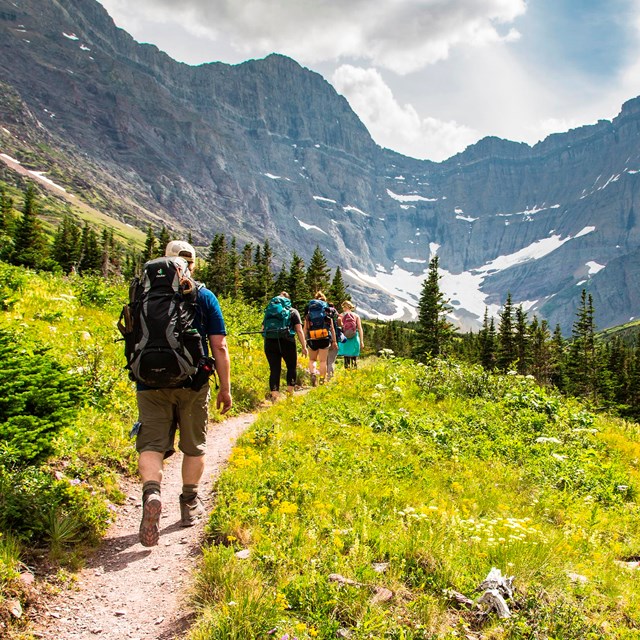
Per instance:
(402,35)
(397,126)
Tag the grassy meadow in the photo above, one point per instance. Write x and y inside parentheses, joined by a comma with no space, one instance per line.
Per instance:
(371,507)
(414,482)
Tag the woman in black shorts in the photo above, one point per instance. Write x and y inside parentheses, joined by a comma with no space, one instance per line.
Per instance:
(284,348)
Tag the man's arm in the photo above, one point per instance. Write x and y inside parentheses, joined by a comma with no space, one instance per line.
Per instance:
(220,352)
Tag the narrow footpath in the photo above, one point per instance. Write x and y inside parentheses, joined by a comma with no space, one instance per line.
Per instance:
(130,592)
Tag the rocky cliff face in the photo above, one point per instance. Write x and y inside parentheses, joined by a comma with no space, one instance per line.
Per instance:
(267,149)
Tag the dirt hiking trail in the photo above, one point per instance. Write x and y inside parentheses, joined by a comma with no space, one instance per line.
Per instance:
(127,591)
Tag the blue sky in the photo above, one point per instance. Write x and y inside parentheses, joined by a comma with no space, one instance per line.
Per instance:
(427,77)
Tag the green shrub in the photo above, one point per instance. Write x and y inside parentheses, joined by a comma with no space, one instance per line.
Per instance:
(37,398)
(33,502)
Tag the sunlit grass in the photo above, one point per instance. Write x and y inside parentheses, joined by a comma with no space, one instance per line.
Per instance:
(420,480)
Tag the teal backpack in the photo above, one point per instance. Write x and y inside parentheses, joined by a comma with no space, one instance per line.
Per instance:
(276,318)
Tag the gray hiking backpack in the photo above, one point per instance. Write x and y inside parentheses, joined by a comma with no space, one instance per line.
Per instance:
(162,347)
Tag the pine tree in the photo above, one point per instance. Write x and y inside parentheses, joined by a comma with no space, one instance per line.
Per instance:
(247,272)
(214,271)
(557,357)
(433,332)
(90,253)
(540,350)
(507,354)
(487,340)
(281,282)
(163,240)
(6,217)
(107,246)
(634,384)
(338,291)
(234,278)
(264,275)
(66,245)
(582,359)
(318,273)
(297,287)
(29,242)
(150,246)
(521,341)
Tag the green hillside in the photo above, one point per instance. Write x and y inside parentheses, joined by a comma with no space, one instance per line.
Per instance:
(413,482)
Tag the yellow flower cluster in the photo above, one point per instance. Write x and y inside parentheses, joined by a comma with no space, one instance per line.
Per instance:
(242,457)
(287,507)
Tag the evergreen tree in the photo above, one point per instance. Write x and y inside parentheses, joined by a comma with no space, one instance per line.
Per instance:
(215,268)
(234,277)
(433,332)
(66,245)
(108,246)
(90,253)
(150,246)
(247,273)
(29,242)
(558,360)
(634,384)
(163,240)
(521,341)
(318,273)
(338,291)
(281,282)
(6,217)
(540,350)
(297,287)
(487,340)
(507,353)
(264,275)
(582,359)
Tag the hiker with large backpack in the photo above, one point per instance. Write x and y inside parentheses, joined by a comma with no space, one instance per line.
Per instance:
(321,334)
(168,326)
(352,329)
(280,326)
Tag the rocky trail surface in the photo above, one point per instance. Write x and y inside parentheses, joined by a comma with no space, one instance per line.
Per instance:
(130,592)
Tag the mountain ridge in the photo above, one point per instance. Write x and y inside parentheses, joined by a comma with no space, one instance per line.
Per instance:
(267,149)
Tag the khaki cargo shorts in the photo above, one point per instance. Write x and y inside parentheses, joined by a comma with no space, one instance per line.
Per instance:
(163,411)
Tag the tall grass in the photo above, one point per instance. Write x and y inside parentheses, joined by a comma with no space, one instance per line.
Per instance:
(420,480)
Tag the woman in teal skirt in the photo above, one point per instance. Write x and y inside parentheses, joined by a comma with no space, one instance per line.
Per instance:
(352,329)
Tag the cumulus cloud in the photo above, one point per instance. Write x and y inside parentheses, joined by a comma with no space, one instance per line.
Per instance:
(397,126)
(400,35)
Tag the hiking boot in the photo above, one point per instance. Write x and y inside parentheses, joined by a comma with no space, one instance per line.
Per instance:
(191,511)
(314,380)
(150,524)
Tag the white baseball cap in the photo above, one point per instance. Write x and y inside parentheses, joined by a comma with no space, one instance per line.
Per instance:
(182,249)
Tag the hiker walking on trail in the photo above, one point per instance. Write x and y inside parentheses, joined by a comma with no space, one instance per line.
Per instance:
(352,329)
(169,325)
(280,326)
(333,351)
(321,334)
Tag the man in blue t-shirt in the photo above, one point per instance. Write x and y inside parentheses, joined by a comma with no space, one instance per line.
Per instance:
(162,412)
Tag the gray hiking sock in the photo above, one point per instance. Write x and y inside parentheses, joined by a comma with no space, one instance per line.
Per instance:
(189,492)
(151,486)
